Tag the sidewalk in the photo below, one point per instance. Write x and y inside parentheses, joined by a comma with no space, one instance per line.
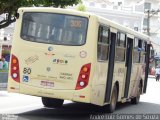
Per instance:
(3,80)
(151,76)
(3,86)
(3,77)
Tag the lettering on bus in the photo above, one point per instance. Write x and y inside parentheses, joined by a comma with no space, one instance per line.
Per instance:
(47,83)
(60,61)
(121,71)
(76,23)
(49,54)
(27,70)
(45,93)
(69,56)
(143,69)
(48,69)
(31,59)
(66,76)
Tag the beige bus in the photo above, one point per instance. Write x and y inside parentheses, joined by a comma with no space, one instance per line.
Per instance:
(60,54)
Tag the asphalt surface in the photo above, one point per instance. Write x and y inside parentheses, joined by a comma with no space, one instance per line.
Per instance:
(25,107)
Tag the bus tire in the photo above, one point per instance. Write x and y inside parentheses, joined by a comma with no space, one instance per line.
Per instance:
(136,99)
(52,102)
(112,106)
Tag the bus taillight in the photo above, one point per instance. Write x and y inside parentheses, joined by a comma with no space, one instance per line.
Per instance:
(15,68)
(83,77)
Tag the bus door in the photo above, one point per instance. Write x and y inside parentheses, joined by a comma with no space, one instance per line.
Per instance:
(105,66)
(147,67)
(128,65)
(110,66)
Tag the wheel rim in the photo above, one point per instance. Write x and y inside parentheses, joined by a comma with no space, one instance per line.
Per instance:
(113,100)
(138,96)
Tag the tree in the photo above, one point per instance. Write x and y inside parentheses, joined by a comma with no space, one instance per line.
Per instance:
(81,7)
(10,7)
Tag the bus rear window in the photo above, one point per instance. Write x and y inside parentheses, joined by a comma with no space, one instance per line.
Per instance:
(52,28)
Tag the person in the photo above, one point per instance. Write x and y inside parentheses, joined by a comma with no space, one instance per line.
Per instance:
(5,64)
(1,64)
(157,73)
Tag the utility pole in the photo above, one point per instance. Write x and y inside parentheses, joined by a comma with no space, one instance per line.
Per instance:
(150,13)
(148,22)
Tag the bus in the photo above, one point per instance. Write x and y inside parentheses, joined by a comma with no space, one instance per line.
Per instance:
(61,54)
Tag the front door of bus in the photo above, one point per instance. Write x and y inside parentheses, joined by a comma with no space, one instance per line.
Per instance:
(128,65)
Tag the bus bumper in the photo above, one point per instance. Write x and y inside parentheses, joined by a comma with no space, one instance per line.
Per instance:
(73,95)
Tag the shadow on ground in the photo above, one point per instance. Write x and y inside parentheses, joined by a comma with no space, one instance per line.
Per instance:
(84,111)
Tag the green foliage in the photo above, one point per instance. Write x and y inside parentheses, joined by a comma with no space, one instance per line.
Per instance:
(11,7)
(81,7)
(4,71)
(5,51)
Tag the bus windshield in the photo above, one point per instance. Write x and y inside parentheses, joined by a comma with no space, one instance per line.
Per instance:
(51,28)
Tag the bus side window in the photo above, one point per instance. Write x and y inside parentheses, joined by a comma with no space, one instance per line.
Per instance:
(140,43)
(136,54)
(120,47)
(103,43)
(143,51)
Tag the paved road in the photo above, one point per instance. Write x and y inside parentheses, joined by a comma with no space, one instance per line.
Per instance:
(31,108)
(3,77)
(3,80)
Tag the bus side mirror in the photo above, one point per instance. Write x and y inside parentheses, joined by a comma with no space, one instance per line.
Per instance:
(151,46)
(17,15)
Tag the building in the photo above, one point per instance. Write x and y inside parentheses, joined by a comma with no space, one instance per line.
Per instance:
(131,13)
(118,12)
(6,39)
(152,6)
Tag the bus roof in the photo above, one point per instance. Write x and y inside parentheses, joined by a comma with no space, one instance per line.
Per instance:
(123,28)
(87,14)
(55,10)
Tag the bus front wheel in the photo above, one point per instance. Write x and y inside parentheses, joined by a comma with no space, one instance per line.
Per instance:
(112,106)
(52,102)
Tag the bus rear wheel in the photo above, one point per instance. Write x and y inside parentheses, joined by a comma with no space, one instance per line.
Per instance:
(112,106)
(136,99)
(52,102)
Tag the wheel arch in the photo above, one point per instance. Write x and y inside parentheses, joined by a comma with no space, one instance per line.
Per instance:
(141,85)
(117,87)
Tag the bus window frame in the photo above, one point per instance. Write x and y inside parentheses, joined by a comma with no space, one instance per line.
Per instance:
(118,43)
(101,43)
(141,48)
(135,49)
(121,46)
(87,28)
(143,51)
